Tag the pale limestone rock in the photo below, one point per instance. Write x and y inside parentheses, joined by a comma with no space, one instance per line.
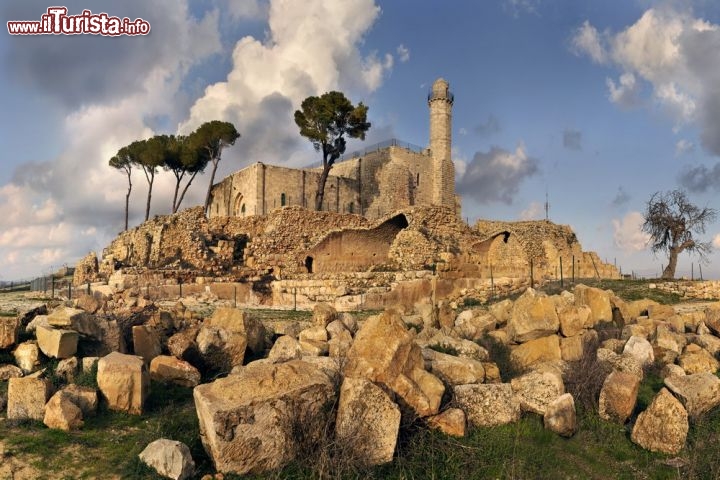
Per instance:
(10,371)
(560,416)
(88,363)
(641,349)
(492,372)
(486,405)
(573,319)
(618,396)
(635,330)
(349,320)
(61,413)
(543,349)
(533,316)
(453,370)
(614,344)
(57,343)
(182,344)
(239,322)
(315,334)
(451,422)
(622,363)
(698,392)
(502,311)
(220,348)
(247,419)
(146,343)
(169,458)
(499,336)
(537,390)
(164,368)
(638,308)
(323,314)
(314,347)
(698,361)
(86,398)
(85,324)
(124,382)
(712,318)
(68,369)
(711,343)
(474,324)
(670,370)
(384,352)
(460,347)
(27,356)
(445,314)
(702,329)
(663,427)
(571,348)
(329,366)
(8,331)
(339,346)
(38,320)
(26,398)
(284,349)
(660,312)
(598,301)
(667,339)
(337,328)
(368,422)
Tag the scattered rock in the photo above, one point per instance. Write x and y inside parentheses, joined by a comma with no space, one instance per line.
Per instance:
(8,331)
(640,349)
(27,356)
(453,370)
(57,343)
(698,361)
(618,396)
(323,314)
(663,427)
(61,413)
(284,349)
(367,422)
(26,398)
(560,416)
(488,404)
(239,322)
(543,349)
(533,316)
(84,397)
(167,369)
(124,382)
(169,458)
(537,390)
(699,392)
(598,301)
(146,343)
(10,371)
(451,422)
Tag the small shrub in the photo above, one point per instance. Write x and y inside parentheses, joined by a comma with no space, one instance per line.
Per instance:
(446,349)
(471,302)
(89,378)
(584,378)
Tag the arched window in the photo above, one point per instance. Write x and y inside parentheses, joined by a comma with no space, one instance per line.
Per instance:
(417,180)
(282,199)
(351,207)
(242,209)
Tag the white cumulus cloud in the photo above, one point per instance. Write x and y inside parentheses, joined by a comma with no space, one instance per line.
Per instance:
(534,211)
(628,234)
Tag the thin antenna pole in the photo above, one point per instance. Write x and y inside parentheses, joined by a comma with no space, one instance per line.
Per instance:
(547,206)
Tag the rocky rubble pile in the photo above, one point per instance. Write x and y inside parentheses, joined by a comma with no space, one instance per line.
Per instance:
(264,393)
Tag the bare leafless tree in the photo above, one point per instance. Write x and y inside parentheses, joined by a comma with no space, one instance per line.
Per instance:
(673,224)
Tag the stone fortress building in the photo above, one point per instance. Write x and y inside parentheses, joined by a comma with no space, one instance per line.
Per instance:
(385,178)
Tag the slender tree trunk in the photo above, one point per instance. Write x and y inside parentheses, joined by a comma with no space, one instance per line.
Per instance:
(178,179)
(151,178)
(215,162)
(669,272)
(182,195)
(320,194)
(127,199)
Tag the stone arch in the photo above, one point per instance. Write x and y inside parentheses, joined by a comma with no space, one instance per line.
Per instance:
(238,204)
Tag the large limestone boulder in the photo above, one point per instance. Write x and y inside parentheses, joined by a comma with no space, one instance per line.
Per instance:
(699,392)
(8,331)
(146,343)
(57,343)
(61,413)
(124,382)
(453,370)
(544,349)
(458,346)
(533,316)
(240,322)
(696,359)
(573,319)
(284,349)
(27,356)
(86,398)
(618,396)
(637,308)
(474,324)
(384,352)
(167,369)
(169,458)
(641,349)
(248,420)
(502,311)
(106,332)
(323,314)
(536,390)
(488,404)
(221,349)
(560,416)
(663,427)
(598,301)
(623,363)
(26,398)
(368,422)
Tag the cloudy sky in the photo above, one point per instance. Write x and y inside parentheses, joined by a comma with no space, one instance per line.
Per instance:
(596,104)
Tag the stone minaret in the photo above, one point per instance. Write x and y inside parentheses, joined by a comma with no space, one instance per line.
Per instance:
(440,101)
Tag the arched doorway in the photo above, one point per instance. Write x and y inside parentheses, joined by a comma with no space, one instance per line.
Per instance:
(238,206)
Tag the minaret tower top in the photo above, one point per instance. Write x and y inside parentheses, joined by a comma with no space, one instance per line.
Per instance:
(440,101)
